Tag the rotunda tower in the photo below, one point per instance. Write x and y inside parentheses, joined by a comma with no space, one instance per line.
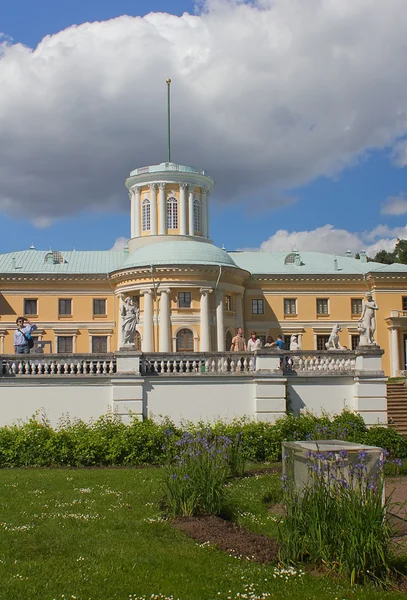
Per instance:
(168,200)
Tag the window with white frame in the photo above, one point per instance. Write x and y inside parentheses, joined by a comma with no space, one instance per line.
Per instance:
(172,213)
(146,214)
(30,306)
(197,214)
(322,341)
(65,307)
(258,306)
(356,306)
(290,306)
(65,344)
(99,306)
(184,299)
(355,341)
(99,344)
(322,306)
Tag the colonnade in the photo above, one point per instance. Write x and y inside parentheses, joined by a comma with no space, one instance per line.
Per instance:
(163,296)
(157,196)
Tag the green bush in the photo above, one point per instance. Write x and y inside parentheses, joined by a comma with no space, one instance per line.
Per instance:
(107,441)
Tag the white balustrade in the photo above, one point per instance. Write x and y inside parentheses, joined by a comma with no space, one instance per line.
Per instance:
(56,365)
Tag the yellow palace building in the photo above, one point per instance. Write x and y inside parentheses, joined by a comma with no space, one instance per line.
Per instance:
(193,295)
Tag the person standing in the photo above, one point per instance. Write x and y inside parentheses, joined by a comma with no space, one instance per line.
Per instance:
(238,342)
(254,343)
(22,335)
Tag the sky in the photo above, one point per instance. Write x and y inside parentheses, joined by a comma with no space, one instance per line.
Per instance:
(298,110)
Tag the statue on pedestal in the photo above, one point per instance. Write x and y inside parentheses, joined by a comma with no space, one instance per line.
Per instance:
(130,317)
(367,323)
(333,341)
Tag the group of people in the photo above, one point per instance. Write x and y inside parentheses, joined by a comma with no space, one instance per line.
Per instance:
(254,343)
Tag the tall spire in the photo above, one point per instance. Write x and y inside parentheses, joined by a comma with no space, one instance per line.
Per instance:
(169,117)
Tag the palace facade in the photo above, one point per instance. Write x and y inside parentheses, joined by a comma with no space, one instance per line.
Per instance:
(193,295)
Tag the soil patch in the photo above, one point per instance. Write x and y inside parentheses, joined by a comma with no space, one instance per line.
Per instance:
(230,537)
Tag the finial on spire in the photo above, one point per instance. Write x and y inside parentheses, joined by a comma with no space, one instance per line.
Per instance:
(168,82)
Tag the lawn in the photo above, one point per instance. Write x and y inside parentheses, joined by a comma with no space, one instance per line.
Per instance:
(97,534)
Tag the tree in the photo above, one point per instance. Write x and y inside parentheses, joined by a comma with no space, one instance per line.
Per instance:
(387,258)
(400,251)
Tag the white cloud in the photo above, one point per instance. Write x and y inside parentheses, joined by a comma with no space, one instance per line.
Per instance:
(336,241)
(400,153)
(266,96)
(394,205)
(120,243)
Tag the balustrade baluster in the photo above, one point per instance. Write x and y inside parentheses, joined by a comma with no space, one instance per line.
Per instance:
(213,366)
(72,368)
(111,367)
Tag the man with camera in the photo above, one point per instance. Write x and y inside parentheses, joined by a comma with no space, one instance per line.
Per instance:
(22,336)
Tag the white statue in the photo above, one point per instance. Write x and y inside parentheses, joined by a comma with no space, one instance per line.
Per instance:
(130,317)
(294,345)
(368,319)
(363,339)
(333,341)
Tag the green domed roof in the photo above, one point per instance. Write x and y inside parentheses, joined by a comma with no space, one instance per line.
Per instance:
(178,253)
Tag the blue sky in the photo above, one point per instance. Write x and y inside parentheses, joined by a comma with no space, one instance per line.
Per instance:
(284,158)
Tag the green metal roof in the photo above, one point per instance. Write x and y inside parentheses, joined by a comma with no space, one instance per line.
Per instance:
(311,263)
(75,262)
(188,252)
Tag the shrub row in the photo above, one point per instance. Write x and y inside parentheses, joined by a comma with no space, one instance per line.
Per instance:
(107,441)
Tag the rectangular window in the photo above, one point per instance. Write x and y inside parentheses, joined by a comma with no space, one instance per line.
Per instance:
(65,344)
(228,303)
(322,306)
(65,306)
(322,340)
(99,344)
(258,307)
(355,341)
(356,306)
(404,299)
(30,306)
(290,306)
(184,299)
(287,340)
(99,306)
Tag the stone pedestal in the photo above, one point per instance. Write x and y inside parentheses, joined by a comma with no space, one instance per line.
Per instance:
(127,386)
(370,390)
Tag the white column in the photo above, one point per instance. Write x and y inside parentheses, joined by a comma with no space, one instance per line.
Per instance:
(394,346)
(220,328)
(204,213)
(191,209)
(148,340)
(136,200)
(239,311)
(162,209)
(131,197)
(153,208)
(183,209)
(299,338)
(205,345)
(165,315)
(207,214)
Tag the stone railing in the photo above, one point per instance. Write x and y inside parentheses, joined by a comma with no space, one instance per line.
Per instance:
(57,364)
(306,361)
(197,362)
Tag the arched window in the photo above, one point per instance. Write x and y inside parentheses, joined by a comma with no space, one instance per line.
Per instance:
(185,340)
(197,214)
(146,211)
(172,213)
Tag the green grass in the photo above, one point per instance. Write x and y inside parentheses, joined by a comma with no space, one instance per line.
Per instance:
(97,534)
